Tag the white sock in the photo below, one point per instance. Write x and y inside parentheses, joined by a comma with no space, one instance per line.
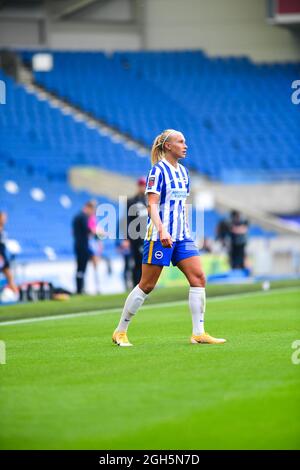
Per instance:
(133,302)
(197,302)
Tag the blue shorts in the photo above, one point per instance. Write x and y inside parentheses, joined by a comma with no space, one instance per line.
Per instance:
(155,253)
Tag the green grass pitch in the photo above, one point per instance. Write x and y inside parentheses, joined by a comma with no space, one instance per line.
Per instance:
(65,386)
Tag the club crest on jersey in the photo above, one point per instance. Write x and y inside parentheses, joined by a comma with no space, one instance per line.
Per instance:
(159,255)
(151,182)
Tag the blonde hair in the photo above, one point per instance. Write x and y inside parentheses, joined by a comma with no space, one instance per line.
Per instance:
(158,148)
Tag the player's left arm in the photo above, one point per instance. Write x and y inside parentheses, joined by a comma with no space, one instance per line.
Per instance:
(153,210)
(186,204)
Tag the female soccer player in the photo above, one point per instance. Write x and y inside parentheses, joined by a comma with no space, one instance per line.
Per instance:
(168,238)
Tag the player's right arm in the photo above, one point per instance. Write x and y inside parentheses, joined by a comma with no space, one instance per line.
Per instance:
(153,210)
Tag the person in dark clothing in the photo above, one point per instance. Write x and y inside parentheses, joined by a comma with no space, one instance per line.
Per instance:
(238,229)
(4,261)
(136,228)
(82,233)
(123,247)
(222,233)
(125,251)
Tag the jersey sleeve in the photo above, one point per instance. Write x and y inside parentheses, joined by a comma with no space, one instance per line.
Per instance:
(154,181)
(188,182)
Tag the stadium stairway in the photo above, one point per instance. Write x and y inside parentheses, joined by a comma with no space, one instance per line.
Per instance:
(98,180)
(34,189)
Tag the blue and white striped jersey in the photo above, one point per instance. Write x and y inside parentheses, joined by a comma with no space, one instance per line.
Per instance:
(173,186)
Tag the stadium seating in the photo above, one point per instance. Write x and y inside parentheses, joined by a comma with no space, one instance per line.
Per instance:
(49,142)
(237,116)
(40,215)
(39,143)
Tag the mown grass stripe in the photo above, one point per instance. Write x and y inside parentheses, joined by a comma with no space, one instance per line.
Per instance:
(146,307)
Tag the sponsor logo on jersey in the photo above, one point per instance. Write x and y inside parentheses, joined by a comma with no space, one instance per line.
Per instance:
(178,193)
(151,182)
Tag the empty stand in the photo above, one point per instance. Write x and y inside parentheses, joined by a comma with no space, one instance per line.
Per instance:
(237,116)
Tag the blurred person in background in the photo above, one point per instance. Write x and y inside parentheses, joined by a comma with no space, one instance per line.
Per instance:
(238,231)
(137,215)
(82,234)
(123,247)
(4,261)
(222,235)
(205,246)
(96,246)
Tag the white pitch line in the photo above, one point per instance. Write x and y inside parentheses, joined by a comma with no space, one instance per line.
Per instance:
(146,307)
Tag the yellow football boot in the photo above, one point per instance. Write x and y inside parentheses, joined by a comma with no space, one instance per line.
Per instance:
(120,338)
(205,338)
